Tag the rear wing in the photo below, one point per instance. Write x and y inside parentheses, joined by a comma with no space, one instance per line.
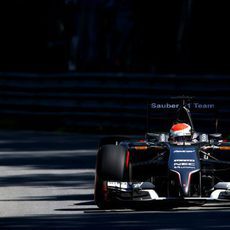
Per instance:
(202,115)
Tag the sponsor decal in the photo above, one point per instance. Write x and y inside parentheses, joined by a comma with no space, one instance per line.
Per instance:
(184,151)
(184,164)
(117,184)
(164,106)
(196,105)
(183,158)
(203,106)
(124,185)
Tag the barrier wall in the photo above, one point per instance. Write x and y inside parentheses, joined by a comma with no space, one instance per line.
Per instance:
(99,101)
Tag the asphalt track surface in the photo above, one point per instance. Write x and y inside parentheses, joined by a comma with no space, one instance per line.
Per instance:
(47,183)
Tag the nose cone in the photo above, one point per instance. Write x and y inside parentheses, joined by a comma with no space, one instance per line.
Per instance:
(185,183)
(185,161)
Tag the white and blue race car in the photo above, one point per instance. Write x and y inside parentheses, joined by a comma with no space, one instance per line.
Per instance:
(181,166)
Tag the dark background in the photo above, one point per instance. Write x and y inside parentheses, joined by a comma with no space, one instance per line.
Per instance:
(92,65)
(130,36)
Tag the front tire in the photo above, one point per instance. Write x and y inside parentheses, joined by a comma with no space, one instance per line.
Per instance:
(111,163)
(110,166)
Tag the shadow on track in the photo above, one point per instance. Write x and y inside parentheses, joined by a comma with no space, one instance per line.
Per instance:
(73,198)
(34,141)
(47,160)
(47,151)
(123,220)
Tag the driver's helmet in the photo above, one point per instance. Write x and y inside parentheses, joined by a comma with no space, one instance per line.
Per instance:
(181,132)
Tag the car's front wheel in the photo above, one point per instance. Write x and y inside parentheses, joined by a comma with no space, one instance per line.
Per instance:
(111,165)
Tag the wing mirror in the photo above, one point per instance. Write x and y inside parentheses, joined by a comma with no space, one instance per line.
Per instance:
(216,135)
(215,138)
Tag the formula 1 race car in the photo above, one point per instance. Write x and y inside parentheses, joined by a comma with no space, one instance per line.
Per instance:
(178,166)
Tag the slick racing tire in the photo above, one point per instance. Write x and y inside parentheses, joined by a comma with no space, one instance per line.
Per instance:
(100,194)
(111,163)
(110,166)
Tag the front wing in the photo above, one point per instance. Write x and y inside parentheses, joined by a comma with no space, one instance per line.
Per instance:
(144,192)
